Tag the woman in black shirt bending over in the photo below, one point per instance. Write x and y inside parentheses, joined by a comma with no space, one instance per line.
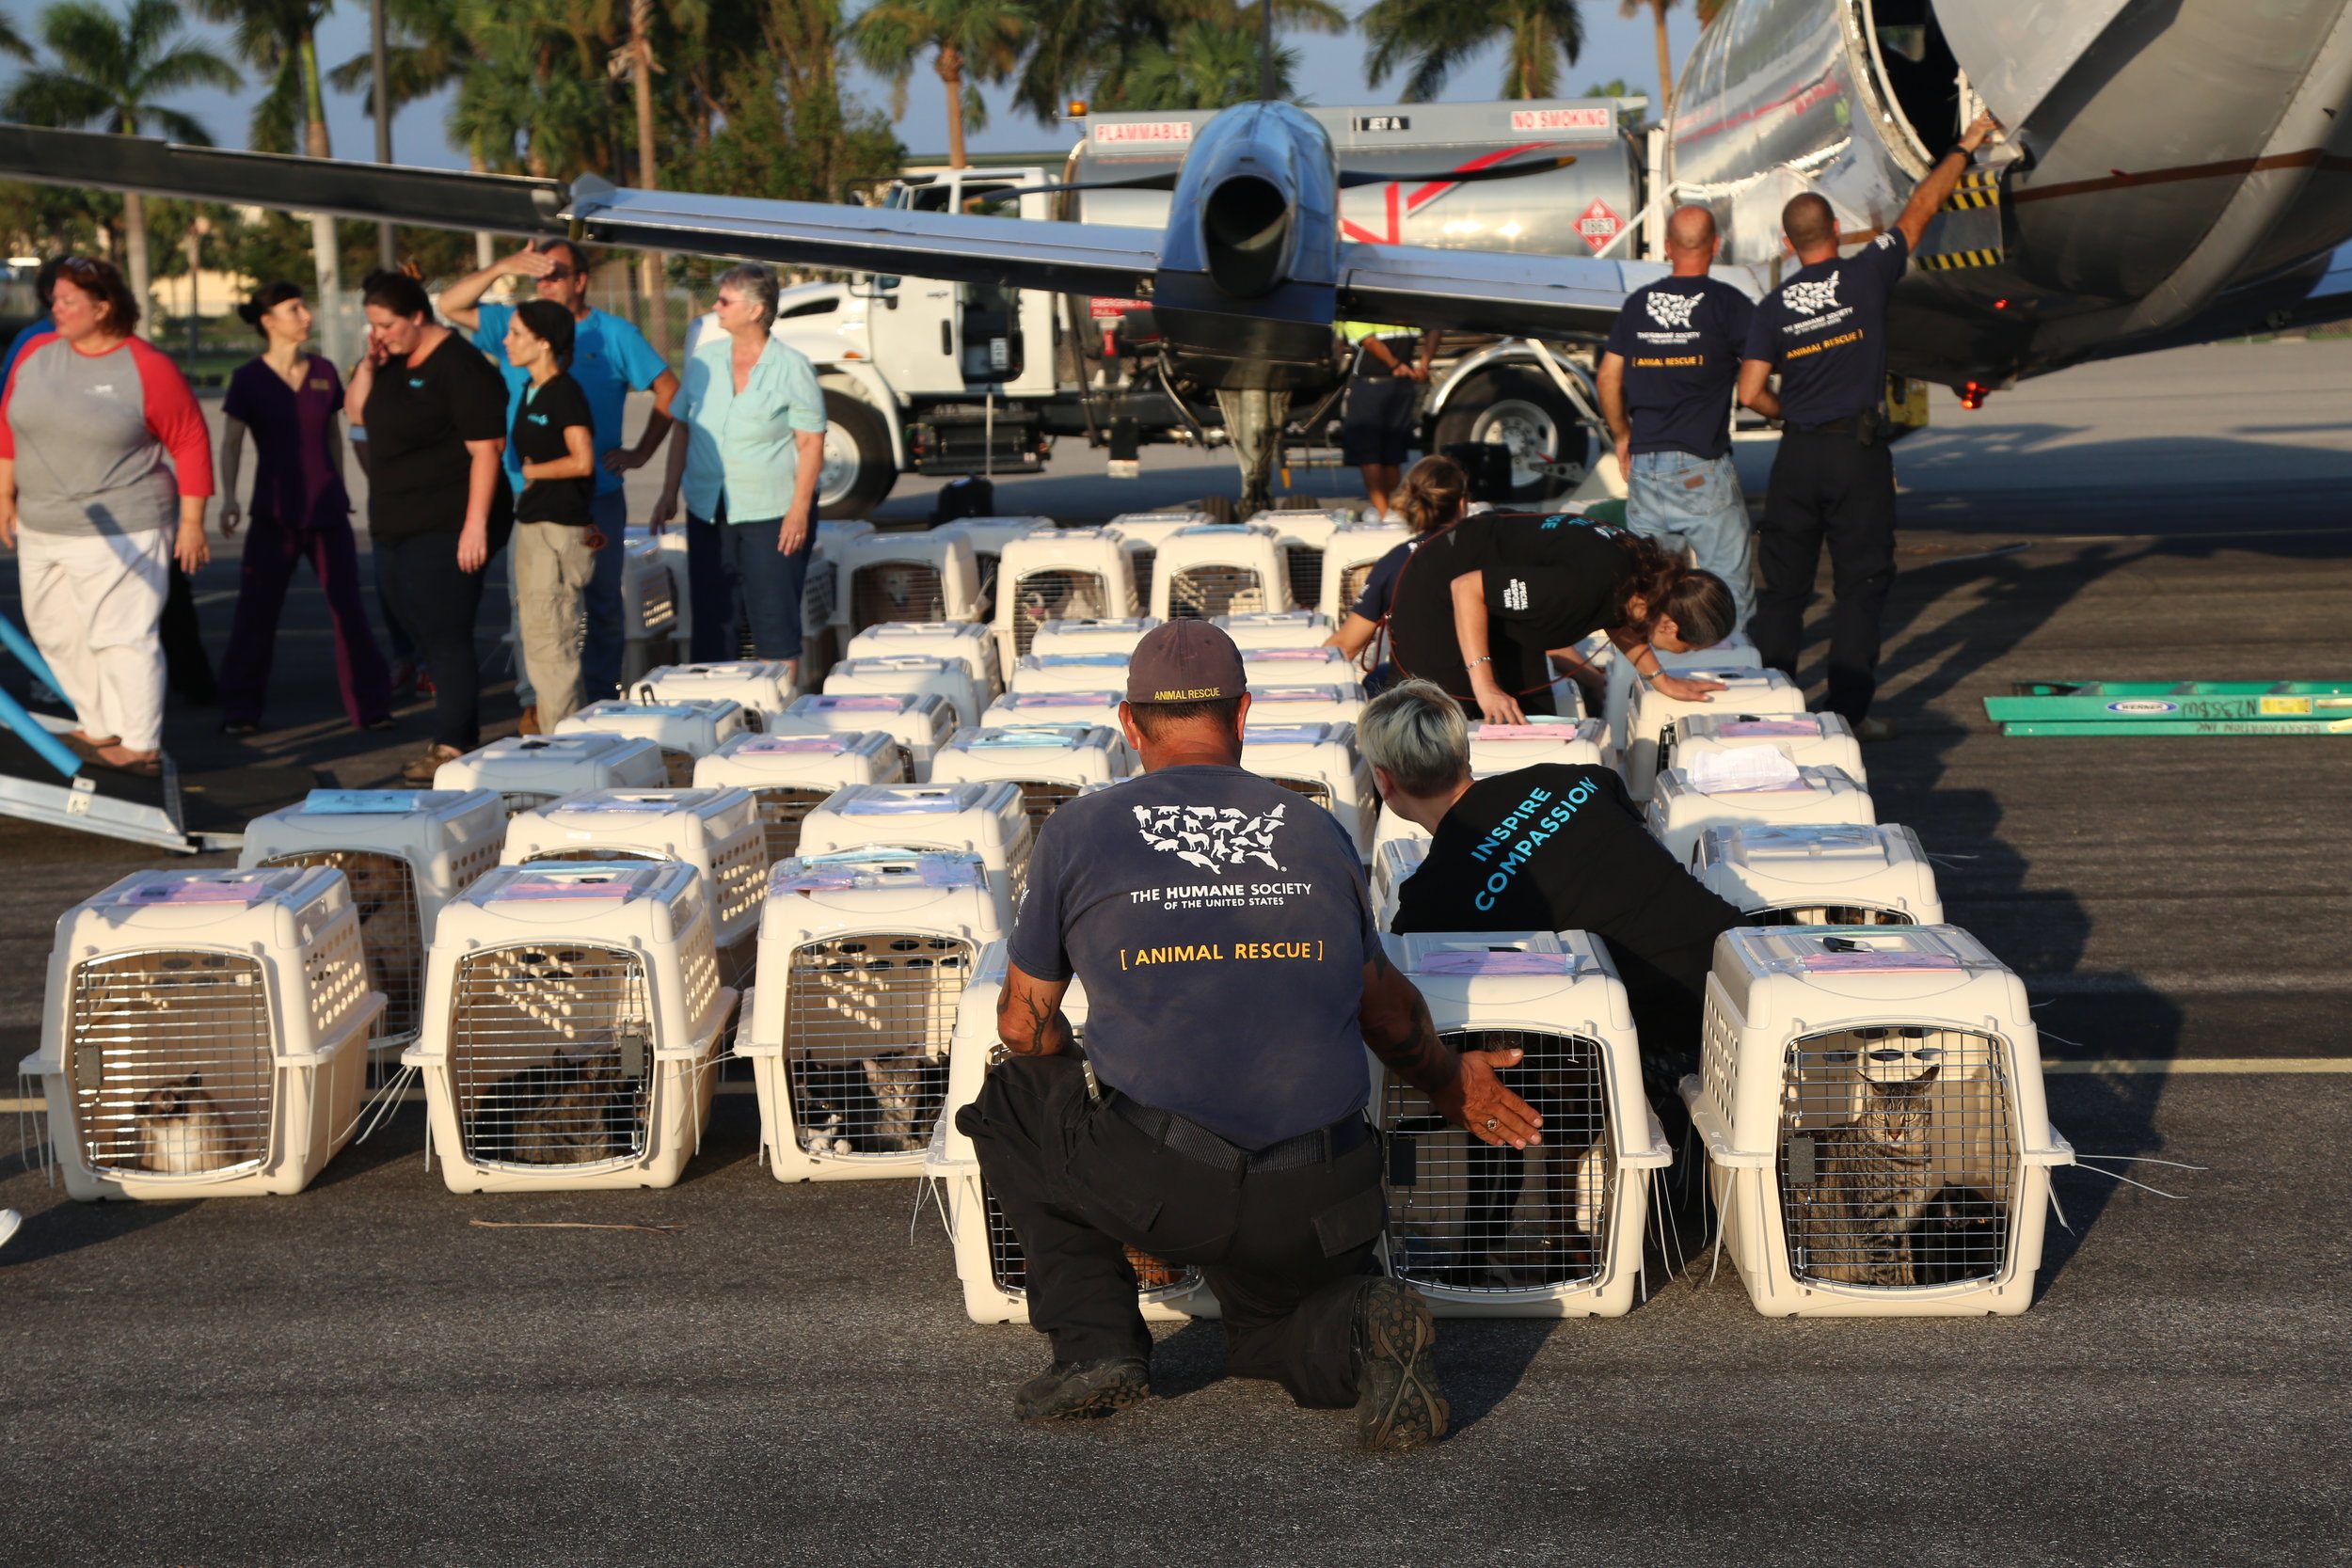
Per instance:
(439,508)
(555,544)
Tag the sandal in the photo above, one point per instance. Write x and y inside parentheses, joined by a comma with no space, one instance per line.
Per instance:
(419,772)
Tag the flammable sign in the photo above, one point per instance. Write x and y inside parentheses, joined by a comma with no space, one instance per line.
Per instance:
(1598,224)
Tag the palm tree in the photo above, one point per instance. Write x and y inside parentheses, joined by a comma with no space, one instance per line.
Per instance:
(11,41)
(973,42)
(111,69)
(1121,54)
(1436,36)
(1658,10)
(1208,67)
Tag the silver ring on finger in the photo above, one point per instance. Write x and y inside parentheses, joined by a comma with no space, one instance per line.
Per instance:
(1492,1123)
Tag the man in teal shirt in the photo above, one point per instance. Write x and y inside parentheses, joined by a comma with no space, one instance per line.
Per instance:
(609,357)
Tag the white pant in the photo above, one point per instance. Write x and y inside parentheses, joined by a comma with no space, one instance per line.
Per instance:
(92,603)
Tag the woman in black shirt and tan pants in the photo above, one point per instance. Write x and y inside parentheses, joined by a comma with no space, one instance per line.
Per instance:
(555,540)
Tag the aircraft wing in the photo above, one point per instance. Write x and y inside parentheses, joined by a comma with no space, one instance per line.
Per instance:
(1487,290)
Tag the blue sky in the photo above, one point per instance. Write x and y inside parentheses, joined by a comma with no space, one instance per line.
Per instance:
(1333,74)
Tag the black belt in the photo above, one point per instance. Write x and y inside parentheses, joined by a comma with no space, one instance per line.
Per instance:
(1827,427)
(1195,1142)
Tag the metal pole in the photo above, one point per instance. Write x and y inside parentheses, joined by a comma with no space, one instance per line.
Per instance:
(386,254)
(1265,53)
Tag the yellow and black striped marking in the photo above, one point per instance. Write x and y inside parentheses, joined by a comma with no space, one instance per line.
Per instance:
(1950,260)
(1977,188)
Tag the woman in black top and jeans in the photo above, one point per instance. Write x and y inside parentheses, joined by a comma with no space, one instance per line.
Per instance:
(439,507)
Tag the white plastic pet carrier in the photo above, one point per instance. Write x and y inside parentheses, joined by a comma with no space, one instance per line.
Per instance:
(862,958)
(964,641)
(1118,636)
(1565,742)
(1145,532)
(1553,1230)
(1320,762)
(1288,703)
(1835,875)
(649,607)
(1807,739)
(1681,810)
(1276,629)
(530,771)
(790,774)
(989,1261)
(984,819)
(1070,672)
(988,537)
(763,688)
(1077,573)
(574,1017)
(909,674)
(1733,653)
(919,723)
(1348,557)
(1218,569)
(1651,722)
(1877,1140)
(717,832)
(921,575)
(686,729)
(1048,762)
(205,1033)
(404,853)
(1303,536)
(1295,666)
(1393,863)
(1092,708)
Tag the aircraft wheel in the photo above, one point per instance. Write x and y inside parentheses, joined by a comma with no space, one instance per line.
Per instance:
(1524,411)
(859,469)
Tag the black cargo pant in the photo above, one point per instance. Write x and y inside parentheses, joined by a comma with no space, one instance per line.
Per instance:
(1825,485)
(1079,1183)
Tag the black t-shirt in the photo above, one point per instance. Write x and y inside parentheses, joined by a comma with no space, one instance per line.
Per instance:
(1681,340)
(1549,580)
(1824,331)
(1221,926)
(540,420)
(1381,583)
(419,420)
(1555,847)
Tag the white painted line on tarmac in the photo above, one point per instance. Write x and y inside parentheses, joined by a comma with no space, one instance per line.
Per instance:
(2160,1067)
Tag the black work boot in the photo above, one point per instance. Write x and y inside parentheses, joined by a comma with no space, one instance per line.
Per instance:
(1081,1390)
(1399,1404)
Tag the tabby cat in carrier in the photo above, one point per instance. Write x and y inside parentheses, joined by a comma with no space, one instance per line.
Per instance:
(1872,1183)
(880,1104)
(566,1111)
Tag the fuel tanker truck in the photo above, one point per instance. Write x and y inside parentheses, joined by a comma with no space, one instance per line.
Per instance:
(930,378)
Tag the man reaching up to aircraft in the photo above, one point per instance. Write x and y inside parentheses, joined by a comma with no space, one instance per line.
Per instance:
(1824,331)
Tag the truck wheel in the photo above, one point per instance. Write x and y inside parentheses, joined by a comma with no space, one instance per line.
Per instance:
(859,469)
(1524,411)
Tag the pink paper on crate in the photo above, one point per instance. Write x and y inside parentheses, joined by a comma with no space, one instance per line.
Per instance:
(1513,963)
(769,744)
(1880,963)
(1554,732)
(1762,727)
(859,705)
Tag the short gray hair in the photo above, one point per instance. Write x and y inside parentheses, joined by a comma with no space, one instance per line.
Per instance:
(1416,732)
(757,283)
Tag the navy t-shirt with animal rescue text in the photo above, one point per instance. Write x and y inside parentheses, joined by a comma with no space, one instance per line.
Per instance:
(1681,340)
(1824,331)
(1221,925)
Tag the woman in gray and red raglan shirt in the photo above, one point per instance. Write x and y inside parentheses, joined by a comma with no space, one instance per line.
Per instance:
(105,471)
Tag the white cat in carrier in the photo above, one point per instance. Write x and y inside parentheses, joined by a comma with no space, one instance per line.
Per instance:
(205,1034)
(920,724)
(574,1025)
(1218,569)
(1839,875)
(964,641)
(685,729)
(1060,574)
(1093,708)
(929,574)
(1807,739)
(404,853)
(1320,762)
(1651,719)
(1688,801)
(789,775)
(1877,1140)
(1338,703)
(862,958)
(763,688)
(1117,635)
(717,832)
(1047,763)
(909,674)
(530,771)
(989,1262)
(1348,557)
(1555,1230)
(984,819)
(1070,672)
(1276,628)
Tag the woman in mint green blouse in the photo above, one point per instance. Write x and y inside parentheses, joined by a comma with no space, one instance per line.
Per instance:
(748,451)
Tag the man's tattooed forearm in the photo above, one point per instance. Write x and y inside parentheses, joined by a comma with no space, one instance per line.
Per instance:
(1048,1033)
(1418,1056)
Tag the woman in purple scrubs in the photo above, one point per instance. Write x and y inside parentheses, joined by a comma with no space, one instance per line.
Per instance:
(290,400)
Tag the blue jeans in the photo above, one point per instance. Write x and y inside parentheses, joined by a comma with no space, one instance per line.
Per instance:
(743,574)
(1674,499)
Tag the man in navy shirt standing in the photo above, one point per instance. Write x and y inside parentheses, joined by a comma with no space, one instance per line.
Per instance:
(1234,979)
(1824,331)
(1666,388)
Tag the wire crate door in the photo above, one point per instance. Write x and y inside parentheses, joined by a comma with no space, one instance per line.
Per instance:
(1059,594)
(896,591)
(1039,798)
(867,1021)
(1898,1162)
(551,1056)
(1205,593)
(1008,1264)
(1828,914)
(781,810)
(1303,567)
(173,1063)
(391,933)
(1470,1217)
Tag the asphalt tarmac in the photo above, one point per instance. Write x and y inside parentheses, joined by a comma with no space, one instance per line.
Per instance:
(361,1374)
